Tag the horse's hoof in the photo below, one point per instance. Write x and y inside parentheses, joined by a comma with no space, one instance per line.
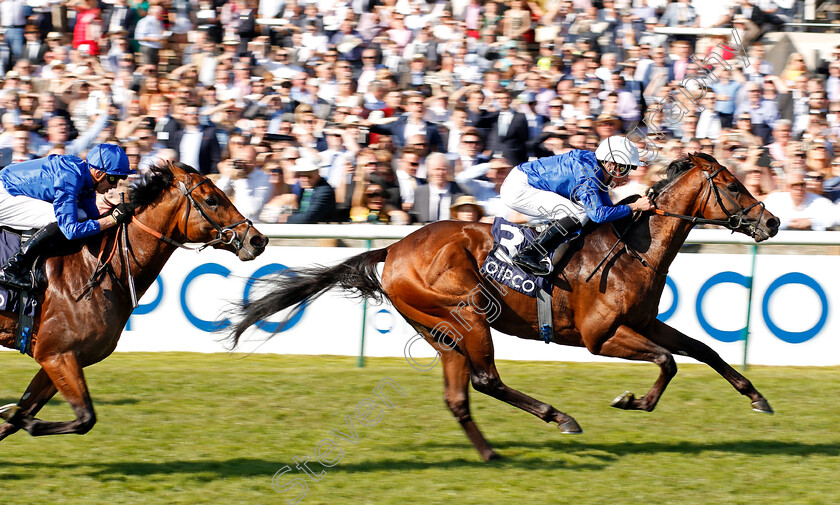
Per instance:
(8,411)
(762,406)
(570,427)
(624,401)
(492,455)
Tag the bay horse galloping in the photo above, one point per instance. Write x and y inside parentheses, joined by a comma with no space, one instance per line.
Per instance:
(88,301)
(431,276)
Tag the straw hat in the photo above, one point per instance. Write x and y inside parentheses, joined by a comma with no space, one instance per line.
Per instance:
(463,201)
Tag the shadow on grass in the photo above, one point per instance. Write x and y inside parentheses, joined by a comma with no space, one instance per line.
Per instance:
(209,469)
(583,457)
(59,401)
(564,456)
(684,448)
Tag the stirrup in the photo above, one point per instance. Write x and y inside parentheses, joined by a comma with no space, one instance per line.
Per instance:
(541,269)
(8,411)
(17,283)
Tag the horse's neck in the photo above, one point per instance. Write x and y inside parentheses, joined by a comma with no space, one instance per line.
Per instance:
(668,234)
(148,253)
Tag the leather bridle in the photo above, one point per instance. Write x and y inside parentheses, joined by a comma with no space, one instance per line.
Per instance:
(734,220)
(224,234)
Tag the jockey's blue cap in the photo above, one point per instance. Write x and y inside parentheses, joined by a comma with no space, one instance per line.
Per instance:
(109,158)
(619,150)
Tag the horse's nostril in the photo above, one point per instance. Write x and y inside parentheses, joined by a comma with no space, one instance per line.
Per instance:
(773,223)
(259,241)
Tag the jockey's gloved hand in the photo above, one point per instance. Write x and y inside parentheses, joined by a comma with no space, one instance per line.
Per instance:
(122,213)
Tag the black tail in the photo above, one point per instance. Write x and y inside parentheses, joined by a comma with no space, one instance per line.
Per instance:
(294,287)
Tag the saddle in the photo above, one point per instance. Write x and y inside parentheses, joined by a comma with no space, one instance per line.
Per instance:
(21,301)
(509,239)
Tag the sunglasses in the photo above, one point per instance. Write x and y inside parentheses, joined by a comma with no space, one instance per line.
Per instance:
(114,179)
(375,194)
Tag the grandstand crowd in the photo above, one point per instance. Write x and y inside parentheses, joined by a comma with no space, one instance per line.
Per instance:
(411,111)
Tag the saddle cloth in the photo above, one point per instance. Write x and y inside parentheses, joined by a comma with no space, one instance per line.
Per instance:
(509,239)
(9,297)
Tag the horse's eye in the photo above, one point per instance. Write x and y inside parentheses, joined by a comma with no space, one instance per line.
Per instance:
(211,201)
(733,188)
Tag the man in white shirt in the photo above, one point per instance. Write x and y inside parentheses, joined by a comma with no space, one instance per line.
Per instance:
(606,70)
(334,159)
(798,209)
(409,162)
(245,183)
(13,20)
(432,200)
(708,122)
(149,34)
(487,192)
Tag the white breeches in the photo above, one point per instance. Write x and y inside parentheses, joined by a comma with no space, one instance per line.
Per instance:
(520,196)
(23,212)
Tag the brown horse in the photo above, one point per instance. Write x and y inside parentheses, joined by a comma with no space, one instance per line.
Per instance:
(432,278)
(80,321)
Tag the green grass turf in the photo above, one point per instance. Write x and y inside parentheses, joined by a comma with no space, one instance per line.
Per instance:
(177,428)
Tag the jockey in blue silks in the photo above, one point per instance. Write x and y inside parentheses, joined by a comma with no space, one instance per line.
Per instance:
(569,189)
(57,194)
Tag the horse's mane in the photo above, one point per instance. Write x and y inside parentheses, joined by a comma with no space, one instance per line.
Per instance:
(149,185)
(677,168)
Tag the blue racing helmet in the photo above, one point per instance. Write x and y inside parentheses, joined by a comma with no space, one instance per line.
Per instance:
(109,158)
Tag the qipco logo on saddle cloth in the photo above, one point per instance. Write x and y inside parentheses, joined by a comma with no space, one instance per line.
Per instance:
(510,239)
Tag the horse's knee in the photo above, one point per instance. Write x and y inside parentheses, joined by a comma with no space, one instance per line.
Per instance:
(667,364)
(86,420)
(486,383)
(459,405)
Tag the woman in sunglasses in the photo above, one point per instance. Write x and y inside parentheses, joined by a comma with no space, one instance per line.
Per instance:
(373,206)
(57,195)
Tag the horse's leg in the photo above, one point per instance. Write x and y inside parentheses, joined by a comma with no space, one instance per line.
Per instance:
(37,394)
(67,376)
(456,380)
(478,347)
(679,343)
(628,344)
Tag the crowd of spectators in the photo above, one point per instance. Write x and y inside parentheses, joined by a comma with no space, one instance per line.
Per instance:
(411,111)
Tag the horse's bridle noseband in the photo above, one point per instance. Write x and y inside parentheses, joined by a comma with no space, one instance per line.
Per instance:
(224,234)
(733,221)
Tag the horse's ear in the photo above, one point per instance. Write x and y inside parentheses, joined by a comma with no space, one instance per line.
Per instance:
(699,162)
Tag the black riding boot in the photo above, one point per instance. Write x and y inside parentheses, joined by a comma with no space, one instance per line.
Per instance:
(536,256)
(17,271)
